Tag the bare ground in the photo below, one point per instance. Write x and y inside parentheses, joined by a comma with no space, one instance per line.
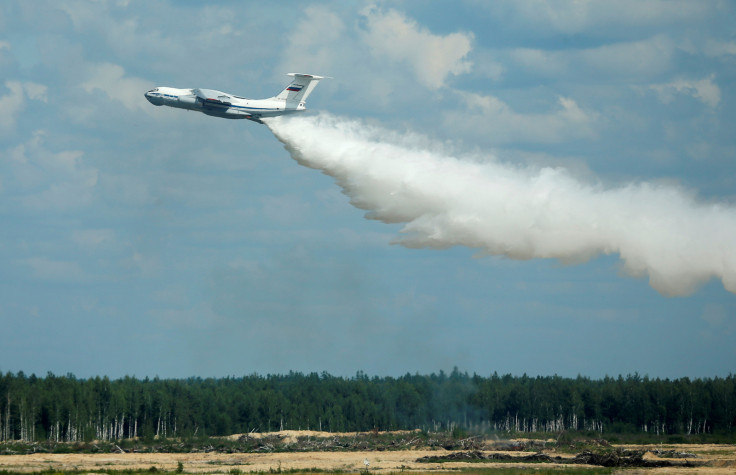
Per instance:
(719,459)
(222,463)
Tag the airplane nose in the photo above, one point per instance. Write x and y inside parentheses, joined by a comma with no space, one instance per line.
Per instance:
(153,99)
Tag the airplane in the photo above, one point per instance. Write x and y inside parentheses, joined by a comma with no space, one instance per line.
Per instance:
(230,106)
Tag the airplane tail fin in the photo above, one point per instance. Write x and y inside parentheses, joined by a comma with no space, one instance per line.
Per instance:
(301,86)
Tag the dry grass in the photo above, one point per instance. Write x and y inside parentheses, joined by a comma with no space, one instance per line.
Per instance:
(720,459)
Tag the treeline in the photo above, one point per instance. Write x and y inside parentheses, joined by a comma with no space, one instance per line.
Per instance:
(66,408)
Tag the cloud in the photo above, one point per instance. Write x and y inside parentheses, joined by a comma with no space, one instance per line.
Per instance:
(46,180)
(715,48)
(705,90)
(486,64)
(110,79)
(173,294)
(56,270)
(392,36)
(378,58)
(11,104)
(608,63)
(93,237)
(286,208)
(65,195)
(128,189)
(198,317)
(34,91)
(146,265)
(490,118)
(585,16)
(316,43)
(14,102)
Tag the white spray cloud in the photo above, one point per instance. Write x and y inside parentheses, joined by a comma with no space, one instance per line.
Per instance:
(659,231)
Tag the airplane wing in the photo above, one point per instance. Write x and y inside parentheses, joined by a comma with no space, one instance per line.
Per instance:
(219,104)
(212,98)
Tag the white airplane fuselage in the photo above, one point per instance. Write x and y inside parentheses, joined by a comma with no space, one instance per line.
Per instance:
(229,106)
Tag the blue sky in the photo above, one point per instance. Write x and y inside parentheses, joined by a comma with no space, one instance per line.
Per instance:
(151,241)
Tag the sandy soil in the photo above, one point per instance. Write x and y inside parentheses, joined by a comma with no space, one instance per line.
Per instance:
(720,458)
(223,463)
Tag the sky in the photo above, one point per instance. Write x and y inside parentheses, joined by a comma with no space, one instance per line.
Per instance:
(150,241)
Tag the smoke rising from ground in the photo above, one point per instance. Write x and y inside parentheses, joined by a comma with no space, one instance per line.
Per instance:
(659,231)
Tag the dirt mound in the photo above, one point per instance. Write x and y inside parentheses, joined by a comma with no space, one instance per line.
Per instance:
(478,456)
(617,458)
(293,435)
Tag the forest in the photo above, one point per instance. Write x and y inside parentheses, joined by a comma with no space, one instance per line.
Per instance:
(66,408)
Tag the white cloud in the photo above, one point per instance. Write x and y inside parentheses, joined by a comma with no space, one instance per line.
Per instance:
(93,237)
(385,55)
(720,48)
(639,59)
(590,16)
(48,269)
(11,104)
(173,294)
(317,43)
(201,316)
(286,208)
(42,179)
(631,58)
(128,190)
(704,90)
(14,102)
(64,195)
(34,91)
(110,79)
(207,37)
(490,118)
(487,65)
(145,265)
(433,57)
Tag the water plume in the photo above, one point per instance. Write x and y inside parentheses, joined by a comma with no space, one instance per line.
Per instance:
(659,231)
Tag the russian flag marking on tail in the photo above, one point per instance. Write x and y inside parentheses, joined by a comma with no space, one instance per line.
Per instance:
(296,93)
